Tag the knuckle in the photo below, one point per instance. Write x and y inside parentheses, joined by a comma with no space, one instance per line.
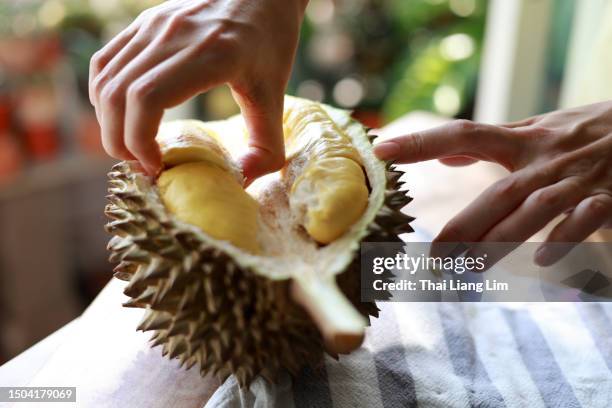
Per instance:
(178,19)
(465,126)
(224,48)
(577,128)
(135,145)
(545,198)
(175,22)
(140,92)
(538,131)
(98,84)
(153,19)
(111,94)
(599,205)
(414,144)
(507,187)
(114,148)
(97,60)
(157,17)
(228,45)
(145,14)
(222,42)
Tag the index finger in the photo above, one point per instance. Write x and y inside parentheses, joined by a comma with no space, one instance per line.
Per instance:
(104,55)
(457,138)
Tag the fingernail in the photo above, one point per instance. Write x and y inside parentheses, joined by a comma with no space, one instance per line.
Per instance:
(543,256)
(387,150)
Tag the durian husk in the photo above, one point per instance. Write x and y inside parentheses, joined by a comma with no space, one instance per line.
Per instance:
(209,308)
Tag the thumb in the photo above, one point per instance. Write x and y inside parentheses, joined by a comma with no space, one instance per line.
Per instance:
(263,115)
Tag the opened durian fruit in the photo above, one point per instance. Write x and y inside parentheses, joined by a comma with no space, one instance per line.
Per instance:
(248,282)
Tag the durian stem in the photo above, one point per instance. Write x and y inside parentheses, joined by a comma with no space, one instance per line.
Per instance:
(340,323)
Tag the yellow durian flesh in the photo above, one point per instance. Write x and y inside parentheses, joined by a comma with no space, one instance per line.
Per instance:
(188,141)
(330,193)
(310,131)
(333,194)
(204,195)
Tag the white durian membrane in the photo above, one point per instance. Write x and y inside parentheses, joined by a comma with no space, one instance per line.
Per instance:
(286,249)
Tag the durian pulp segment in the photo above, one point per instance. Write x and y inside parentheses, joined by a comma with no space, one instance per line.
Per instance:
(329,194)
(203,188)
(310,131)
(204,195)
(187,141)
(333,194)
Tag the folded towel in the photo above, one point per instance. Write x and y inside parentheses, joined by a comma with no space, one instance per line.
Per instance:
(458,355)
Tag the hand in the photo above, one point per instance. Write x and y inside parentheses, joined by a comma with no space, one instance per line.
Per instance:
(181,48)
(560,162)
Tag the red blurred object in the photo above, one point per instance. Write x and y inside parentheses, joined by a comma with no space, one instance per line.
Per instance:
(4,114)
(11,158)
(42,141)
(37,109)
(88,133)
(371,119)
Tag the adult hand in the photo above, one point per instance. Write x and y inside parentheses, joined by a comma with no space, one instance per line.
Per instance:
(560,162)
(185,47)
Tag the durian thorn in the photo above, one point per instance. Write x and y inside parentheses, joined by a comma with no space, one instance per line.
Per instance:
(122,166)
(157,342)
(389,164)
(341,325)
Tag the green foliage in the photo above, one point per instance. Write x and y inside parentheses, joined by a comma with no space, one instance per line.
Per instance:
(424,68)
(396,43)
(427,69)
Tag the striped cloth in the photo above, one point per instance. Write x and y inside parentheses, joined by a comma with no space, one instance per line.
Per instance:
(458,355)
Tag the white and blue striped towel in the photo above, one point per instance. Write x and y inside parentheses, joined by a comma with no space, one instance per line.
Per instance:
(458,355)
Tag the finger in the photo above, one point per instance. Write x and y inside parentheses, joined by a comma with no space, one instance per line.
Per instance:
(494,204)
(536,212)
(521,123)
(263,114)
(538,209)
(120,60)
(102,57)
(588,216)
(457,138)
(168,84)
(112,100)
(457,161)
(112,110)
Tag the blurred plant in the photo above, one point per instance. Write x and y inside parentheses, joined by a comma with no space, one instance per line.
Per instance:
(82,25)
(25,17)
(440,77)
(393,56)
(381,57)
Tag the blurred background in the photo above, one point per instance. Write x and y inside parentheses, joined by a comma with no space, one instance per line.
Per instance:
(492,61)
